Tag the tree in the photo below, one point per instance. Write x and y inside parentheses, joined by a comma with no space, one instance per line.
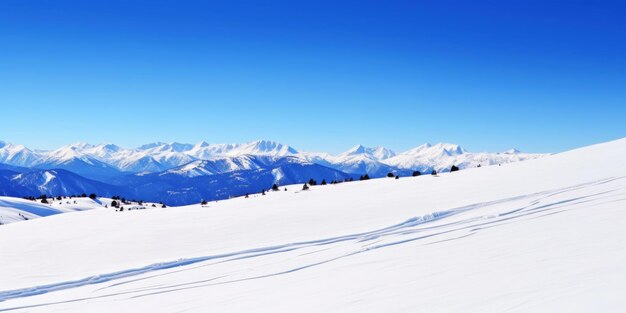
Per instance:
(203,202)
(454,168)
(323,182)
(416,173)
(164,206)
(364,177)
(92,196)
(44,199)
(84,195)
(274,187)
(263,192)
(305,187)
(114,203)
(390,175)
(433,173)
(312,182)
(397,177)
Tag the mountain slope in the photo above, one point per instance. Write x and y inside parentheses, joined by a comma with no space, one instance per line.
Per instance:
(224,178)
(53,182)
(17,155)
(442,156)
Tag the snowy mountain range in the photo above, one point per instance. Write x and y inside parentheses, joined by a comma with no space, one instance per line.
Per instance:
(157,171)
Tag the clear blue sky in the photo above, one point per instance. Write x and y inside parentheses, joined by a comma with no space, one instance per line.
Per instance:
(319,75)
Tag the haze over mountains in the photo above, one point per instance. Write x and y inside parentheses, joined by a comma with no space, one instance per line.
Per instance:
(181,173)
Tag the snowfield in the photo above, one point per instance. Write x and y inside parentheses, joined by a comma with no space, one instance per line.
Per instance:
(544,235)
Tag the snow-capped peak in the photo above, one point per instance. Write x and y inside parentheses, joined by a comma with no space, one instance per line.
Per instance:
(512,151)
(265,147)
(79,146)
(378,153)
(109,147)
(201,144)
(151,145)
(436,150)
(358,149)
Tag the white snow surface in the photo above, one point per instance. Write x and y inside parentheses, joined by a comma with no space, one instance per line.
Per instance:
(545,235)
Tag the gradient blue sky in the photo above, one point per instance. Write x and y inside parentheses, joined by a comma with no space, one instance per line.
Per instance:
(540,76)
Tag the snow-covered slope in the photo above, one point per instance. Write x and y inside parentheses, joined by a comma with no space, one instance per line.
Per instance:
(545,235)
(55,182)
(16,209)
(19,210)
(17,155)
(377,153)
(442,156)
(218,166)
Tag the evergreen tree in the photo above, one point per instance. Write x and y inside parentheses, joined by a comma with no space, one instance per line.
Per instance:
(390,175)
(305,187)
(454,168)
(416,173)
(433,173)
(92,196)
(203,202)
(274,187)
(323,181)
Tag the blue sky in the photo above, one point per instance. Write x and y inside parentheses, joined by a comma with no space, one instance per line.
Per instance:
(540,76)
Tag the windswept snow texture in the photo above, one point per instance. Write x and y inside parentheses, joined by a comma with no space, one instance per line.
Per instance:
(545,235)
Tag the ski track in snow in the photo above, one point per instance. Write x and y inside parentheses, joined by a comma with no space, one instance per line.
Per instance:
(413,229)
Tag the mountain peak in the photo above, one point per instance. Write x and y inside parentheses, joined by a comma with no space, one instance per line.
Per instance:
(109,147)
(201,144)
(79,145)
(450,147)
(151,145)
(267,147)
(512,151)
(358,149)
(379,153)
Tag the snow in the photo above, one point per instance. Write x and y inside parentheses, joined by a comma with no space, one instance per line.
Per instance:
(49,177)
(158,157)
(545,235)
